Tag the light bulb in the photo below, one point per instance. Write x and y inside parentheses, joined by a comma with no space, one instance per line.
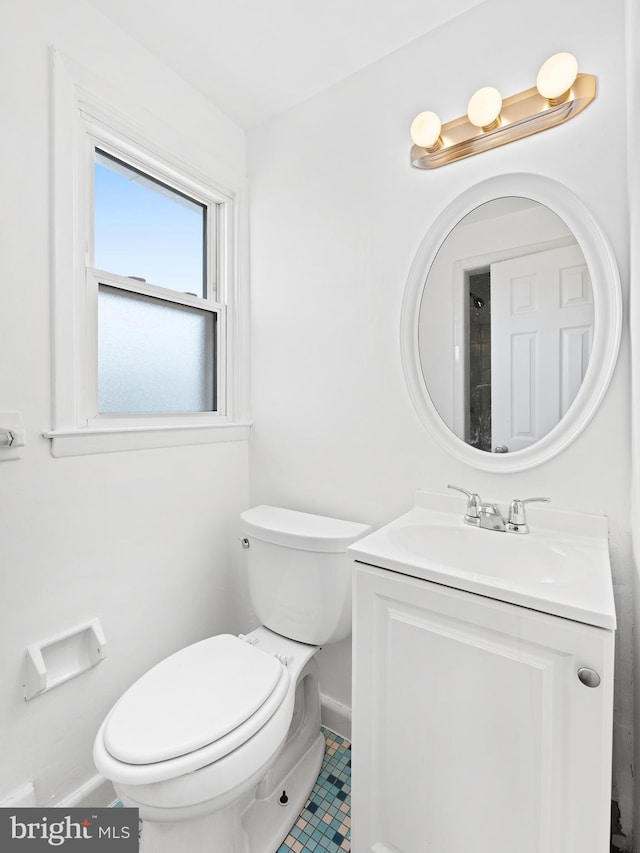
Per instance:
(483,109)
(425,130)
(556,77)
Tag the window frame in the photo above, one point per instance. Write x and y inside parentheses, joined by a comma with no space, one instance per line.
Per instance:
(82,122)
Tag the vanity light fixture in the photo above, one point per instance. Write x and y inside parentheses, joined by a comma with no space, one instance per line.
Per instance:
(559,94)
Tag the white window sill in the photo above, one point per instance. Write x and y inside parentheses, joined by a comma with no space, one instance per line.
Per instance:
(82,442)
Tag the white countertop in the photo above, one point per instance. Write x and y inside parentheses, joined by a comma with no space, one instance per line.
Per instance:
(560,567)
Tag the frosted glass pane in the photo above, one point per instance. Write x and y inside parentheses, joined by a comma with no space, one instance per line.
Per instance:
(144,229)
(153,356)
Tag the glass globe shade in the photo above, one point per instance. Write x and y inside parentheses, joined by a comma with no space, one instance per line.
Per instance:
(425,129)
(557,75)
(484,107)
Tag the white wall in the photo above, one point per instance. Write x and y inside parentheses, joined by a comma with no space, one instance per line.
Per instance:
(143,540)
(337,217)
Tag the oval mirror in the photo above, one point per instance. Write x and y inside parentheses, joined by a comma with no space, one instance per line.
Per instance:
(511,322)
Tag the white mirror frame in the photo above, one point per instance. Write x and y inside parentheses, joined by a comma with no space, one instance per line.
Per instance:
(607,296)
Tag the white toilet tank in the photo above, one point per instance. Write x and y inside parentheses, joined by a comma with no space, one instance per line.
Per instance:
(299,574)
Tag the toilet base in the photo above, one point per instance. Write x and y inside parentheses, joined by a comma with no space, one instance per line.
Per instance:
(260,828)
(267,822)
(222,829)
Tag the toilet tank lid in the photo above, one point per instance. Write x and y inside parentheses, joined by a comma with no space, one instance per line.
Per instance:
(301,530)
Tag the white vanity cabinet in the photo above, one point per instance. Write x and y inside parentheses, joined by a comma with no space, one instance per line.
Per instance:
(472,732)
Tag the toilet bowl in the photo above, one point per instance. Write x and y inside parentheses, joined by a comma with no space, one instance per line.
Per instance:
(219,745)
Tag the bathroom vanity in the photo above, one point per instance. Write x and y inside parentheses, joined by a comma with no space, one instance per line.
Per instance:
(483,685)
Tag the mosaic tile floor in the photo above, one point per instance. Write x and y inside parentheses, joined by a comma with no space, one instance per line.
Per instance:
(324,824)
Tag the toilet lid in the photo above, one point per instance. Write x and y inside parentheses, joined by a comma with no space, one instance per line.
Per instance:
(191,699)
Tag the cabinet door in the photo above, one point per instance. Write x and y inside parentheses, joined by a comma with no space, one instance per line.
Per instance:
(471,730)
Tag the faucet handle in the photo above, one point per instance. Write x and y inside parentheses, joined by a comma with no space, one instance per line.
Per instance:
(473,501)
(517,514)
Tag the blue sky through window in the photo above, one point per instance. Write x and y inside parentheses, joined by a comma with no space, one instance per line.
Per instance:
(144,229)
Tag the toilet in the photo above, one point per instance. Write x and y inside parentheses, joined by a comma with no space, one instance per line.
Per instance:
(219,745)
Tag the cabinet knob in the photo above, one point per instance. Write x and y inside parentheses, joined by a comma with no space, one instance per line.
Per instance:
(589,677)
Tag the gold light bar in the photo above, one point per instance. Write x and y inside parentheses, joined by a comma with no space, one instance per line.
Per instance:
(566,93)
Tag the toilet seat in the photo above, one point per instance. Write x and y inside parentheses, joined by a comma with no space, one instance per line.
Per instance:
(197,705)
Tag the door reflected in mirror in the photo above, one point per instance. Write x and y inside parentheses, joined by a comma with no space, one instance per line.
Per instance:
(506,325)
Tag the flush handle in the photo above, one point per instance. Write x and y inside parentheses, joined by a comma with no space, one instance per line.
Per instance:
(588,677)
(6,438)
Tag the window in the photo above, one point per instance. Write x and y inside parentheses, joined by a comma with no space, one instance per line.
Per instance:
(157,315)
(148,311)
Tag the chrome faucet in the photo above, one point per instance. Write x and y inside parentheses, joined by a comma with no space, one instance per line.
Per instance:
(487,516)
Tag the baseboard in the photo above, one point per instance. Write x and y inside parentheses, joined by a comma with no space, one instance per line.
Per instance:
(335,716)
(97,792)
(22,798)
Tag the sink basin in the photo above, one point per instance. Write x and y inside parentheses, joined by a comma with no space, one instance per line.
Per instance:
(561,567)
(503,557)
